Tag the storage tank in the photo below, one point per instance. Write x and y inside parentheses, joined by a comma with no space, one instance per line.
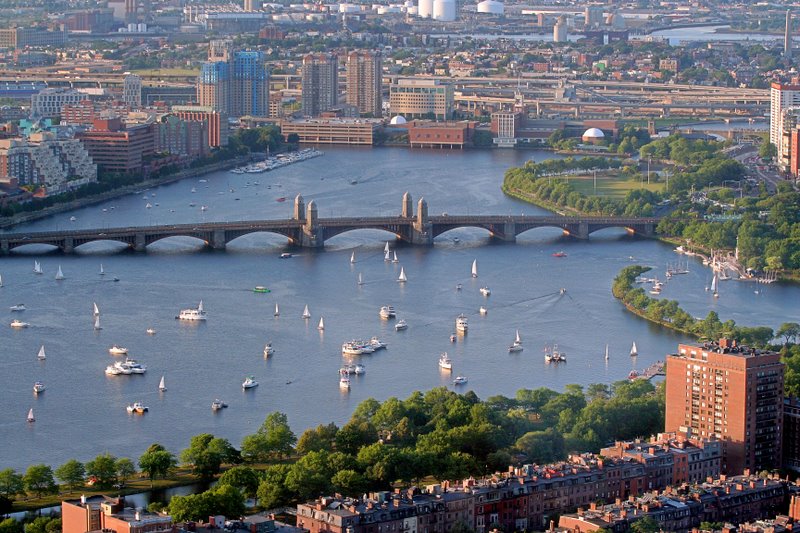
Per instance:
(425,8)
(491,7)
(444,10)
(560,30)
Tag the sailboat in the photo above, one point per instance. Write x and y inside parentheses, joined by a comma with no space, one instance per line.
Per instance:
(386,248)
(606,352)
(352,258)
(402,278)
(306,312)
(41,356)
(475,268)
(161,385)
(321,325)
(96,310)
(516,346)
(360,279)
(97,326)
(59,274)
(1,281)
(634,351)
(31,418)
(394,259)
(714,286)
(277,311)
(102,272)
(387,256)
(37,267)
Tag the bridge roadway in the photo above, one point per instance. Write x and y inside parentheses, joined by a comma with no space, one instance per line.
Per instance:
(312,232)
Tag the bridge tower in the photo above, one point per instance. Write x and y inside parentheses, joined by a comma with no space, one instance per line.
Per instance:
(299,207)
(408,206)
(422,229)
(311,236)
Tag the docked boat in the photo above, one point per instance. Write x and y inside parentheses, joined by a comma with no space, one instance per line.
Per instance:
(486,291)
(634,350)
(516,346)
(352,348)
(37,268)
(19,324)
(117,350)
(306,312)
(249,383)
(460,380)
(30,417)
(129,366)
(344,380)
(150,331)
(261,289)
(462,323)
(268,349)
(387,312)
(59,273)
(193,314)
(321,325)
(445,363)
(112,370)
(162,386)
(402,277)
(41,356)
(18,307)
(633,374)
(218,404)
(553,355)
(38,387)
(137,408)
(401,325)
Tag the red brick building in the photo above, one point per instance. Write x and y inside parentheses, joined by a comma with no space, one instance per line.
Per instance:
(115,148)
(440,134)
(98,513)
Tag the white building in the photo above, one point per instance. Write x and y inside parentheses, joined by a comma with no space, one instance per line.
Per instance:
(48,103)
(132,91)
(444,10)
(783,97)
(560,30)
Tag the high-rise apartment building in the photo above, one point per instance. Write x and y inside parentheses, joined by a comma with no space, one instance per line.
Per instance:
(132,91)
(320,80)
(213,84)
(784,98)
(364,73)
(730,392)
(234,82)
(421,98)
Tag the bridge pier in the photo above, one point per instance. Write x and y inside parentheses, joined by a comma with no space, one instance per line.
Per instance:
(509,233)
(5,249)
(218,239)
(422,229)
(69,245)
(311,234)
(649,229)
(140,242)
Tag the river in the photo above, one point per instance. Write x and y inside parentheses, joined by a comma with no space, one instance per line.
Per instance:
(82,412)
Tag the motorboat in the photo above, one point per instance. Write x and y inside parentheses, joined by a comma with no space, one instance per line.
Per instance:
(38,387)
(633,374)
(486,291)
(553,355)
(129,366)
(401,325)
(359,369)
(249,383)
(445,363)
(458,286)
(344,380)
(261,289)
(452,337)
(376,344)
(150,331)
(112,370)
(218,404)
(387,312)
(18,307)
(193,314)
(268,349)
(306,312)
(483,311)
(137,408)
(460,380)
(117,350)
(19,324)
(348,369)
(286,255)
(352,348)
(462,323)
(560,253)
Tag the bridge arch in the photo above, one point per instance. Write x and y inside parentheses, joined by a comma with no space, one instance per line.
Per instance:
(271,238)
(332,232)
(34,248)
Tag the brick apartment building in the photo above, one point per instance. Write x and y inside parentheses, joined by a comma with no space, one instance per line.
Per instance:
(98,513)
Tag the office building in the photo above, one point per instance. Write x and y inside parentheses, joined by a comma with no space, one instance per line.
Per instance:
(784,98)
(732,393)
(23,37)
(217,123)
(364,73)
(116,148)
(320,81)
(132,91)
(421,98)
(560,30)
(48,103)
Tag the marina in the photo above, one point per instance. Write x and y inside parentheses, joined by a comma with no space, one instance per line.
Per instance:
(276,162)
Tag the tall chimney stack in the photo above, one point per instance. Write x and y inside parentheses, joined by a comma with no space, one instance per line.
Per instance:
(787,38)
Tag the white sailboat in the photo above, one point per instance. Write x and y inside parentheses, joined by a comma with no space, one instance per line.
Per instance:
(402,277)
(475,268)
(306,312)
(386,248)
(321,325)
(634,351)
(97,326)
(387,256)
(59,274)
(394,259)
(161,386)
(277,311)
(31,418)
(102,272)
(714,286)
(37,267)
(517,339)
(360,279)
(516,346)
(352,258)
(606,352)
(1,280)
(96,309)
(41,356)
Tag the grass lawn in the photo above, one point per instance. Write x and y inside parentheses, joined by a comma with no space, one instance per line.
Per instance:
(610,186)
(167,72)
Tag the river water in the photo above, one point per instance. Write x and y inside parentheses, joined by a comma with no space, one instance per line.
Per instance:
(82,412)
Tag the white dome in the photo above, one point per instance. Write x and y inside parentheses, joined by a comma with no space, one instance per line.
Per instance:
(397,119)
(491,6)
(594,133)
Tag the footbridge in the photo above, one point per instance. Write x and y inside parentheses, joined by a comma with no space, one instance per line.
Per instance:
(306,229)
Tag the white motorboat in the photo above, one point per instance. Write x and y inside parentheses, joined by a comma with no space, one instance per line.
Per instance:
(117,350)
(452,337)
(41,356)
(96,311)
(486,291)
(129,366)
(352,348)
(458,286)
(321,325)
(137,408)
(359,369)
(268,349)
(402,277)
(553,355)
(30,417)
(445,363)
(18,307)
(218,404)
(376,344)
(193,314)
(150,331)
(483,311)
(460,380)
(401,325)
(286,255)
(249,383)
(306,313)
(19,324)
(462,323)
(475,268)
(387,312)
(37,268)
(38,387)
(634,350)
(344,380)
(59,273)
(112,370)
(161,385)
(72,219)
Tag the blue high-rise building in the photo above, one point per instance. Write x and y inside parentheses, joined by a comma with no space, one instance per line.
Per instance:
(237,85)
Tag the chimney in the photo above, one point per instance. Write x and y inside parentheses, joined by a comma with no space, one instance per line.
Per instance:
(552,526)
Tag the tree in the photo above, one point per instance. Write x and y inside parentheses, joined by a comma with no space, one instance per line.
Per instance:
(348,482)
(645,525)
(11,483)
(767,150)
(206,454)
(317,439)
(72,474)
(125,469)
(103,468)
(42,524)
(39,480)
(6,505)
(789,331)
(11,525)
(273,439)
(243,478)
(156,462)
(272,491)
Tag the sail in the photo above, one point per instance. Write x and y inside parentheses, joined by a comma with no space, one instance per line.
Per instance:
(353,257)
(161,386)
(1,281)
(402,276)
(59,274)
(41,353)
(37,267)
(277,312)
(102,272)
(321,325)
(306,313)
(386,248)
(475,268)
(714,283)
(386,256)
(394,259)
(360,279)
(634,351)
(96,310)
(97,322)
(517,339)
(606,352)
(200,306)
(30,415)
